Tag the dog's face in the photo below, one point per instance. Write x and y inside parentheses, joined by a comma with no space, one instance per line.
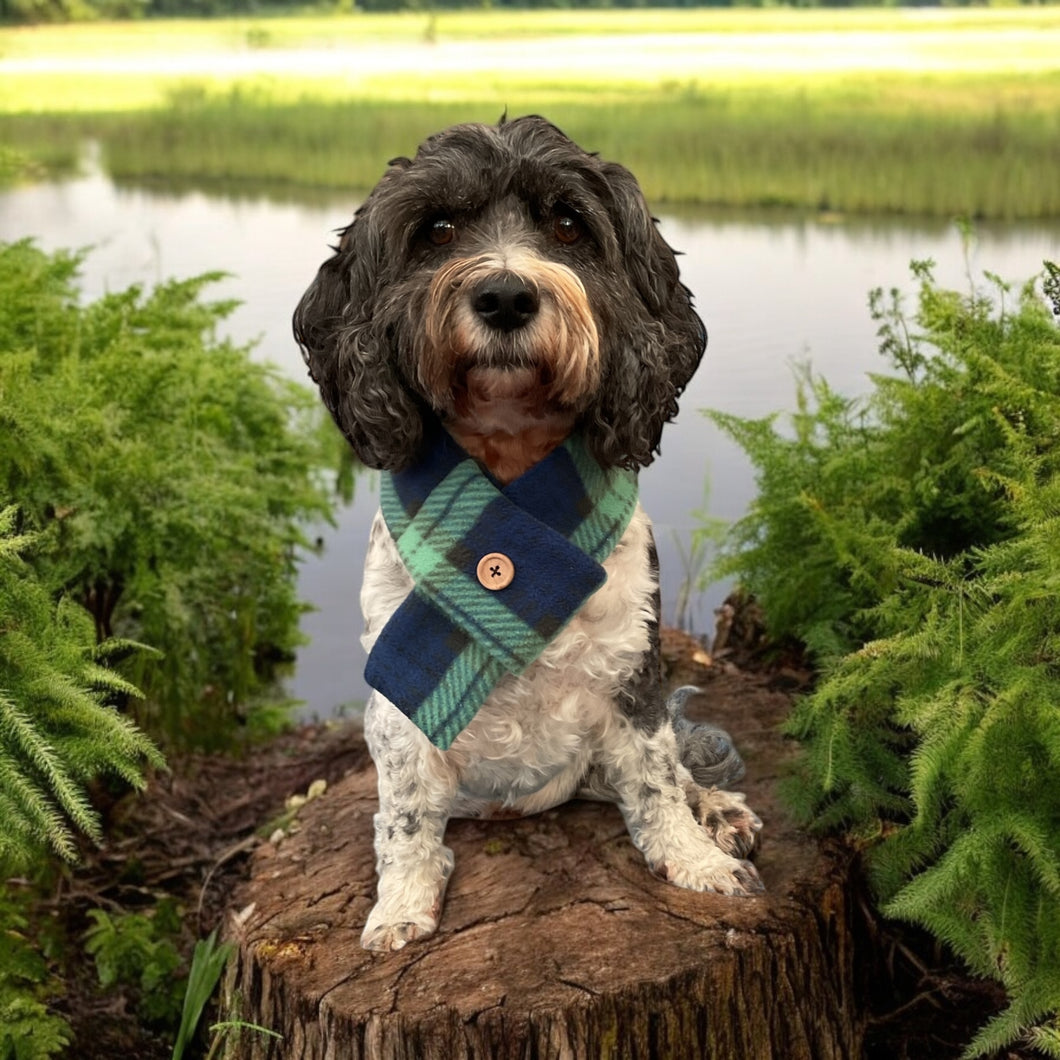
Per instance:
(502,281)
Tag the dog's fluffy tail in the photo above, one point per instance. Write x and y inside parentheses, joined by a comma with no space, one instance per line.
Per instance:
(707,752)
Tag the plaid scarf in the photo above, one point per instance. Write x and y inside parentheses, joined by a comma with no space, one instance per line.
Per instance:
(452,640)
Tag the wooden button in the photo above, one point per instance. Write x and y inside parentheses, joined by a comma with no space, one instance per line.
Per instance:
(495,570)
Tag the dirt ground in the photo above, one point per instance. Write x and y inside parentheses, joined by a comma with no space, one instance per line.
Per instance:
(191,835)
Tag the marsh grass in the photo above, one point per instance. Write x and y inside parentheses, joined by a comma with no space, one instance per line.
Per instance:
(945,141)
(974,146)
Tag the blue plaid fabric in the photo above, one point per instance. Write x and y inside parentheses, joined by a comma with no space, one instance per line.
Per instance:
(452,640)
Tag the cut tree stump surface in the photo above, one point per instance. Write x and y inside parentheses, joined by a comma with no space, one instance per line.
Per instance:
(555,940)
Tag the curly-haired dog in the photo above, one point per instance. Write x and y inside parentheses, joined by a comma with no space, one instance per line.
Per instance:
(503,329)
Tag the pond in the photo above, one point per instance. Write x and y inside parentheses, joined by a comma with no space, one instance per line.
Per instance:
(774,290)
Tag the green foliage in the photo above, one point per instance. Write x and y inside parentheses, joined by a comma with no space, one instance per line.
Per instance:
(905,468)
(153,481)
(139,950)
(28,1031)
(706,536)
(58,729)
(35,12)
(169,475)
(970,127)
(207,963)
(232,1029)
(913,541)
(800,484)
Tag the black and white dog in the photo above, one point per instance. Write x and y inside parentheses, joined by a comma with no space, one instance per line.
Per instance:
(510,291)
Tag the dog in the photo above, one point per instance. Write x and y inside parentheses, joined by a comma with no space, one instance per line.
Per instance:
(502,328)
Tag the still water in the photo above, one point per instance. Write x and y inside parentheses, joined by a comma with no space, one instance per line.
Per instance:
(773,291)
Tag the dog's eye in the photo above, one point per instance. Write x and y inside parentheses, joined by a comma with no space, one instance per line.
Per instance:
(567,229)
(441,231)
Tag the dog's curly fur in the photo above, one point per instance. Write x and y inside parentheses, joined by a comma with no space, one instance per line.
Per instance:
(513,288)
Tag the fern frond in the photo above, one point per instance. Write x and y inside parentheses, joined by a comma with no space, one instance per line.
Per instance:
(1030,1018)
(21,738)
(186,473)
(1045,1037)
(106,680)
(31,819)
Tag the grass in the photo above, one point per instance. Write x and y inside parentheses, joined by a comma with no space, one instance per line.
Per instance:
(934,113)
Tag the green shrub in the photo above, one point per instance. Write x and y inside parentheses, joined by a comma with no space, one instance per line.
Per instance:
(140,950)
(28,1031)
(58,729)
(170,476)
(913,542)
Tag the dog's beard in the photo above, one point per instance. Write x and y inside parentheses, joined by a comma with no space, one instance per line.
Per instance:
(482,383)
(504,400)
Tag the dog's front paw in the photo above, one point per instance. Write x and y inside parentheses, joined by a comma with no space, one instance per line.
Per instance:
(727,818)
(385,933)
(410,900)
(717,872)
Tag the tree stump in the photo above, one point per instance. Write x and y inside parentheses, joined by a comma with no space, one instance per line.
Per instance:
(555,942)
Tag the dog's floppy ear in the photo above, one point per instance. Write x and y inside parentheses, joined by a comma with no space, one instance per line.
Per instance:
(655,339)
(349,355)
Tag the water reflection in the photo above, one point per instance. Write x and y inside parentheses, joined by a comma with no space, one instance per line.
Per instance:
(772,289)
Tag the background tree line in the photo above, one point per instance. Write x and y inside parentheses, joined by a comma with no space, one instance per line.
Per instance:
(40,11)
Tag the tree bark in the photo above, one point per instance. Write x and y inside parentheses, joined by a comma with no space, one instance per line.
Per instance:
(555,941)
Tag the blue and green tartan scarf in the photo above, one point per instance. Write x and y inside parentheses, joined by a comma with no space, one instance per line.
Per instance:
(452,640)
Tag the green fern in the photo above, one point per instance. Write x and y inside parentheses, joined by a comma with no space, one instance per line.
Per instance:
(923,529)
(57,732)
(140,951)
(28,1029)
(57,729)
(172,478)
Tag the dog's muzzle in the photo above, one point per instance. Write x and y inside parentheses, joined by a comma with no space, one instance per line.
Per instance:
(481,313)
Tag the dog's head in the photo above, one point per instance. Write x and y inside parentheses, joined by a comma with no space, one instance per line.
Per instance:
(501,278)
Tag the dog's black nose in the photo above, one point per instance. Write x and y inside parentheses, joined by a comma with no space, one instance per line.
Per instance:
(505,302)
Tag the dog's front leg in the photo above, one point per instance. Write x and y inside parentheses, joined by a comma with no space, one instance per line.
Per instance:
(643,769)
(416,791)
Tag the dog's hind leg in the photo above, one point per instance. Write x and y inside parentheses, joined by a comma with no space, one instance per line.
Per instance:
(644,771)
(641,762)
(709,754)
(416,792)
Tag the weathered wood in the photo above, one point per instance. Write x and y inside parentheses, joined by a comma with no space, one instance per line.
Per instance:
(555,942)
